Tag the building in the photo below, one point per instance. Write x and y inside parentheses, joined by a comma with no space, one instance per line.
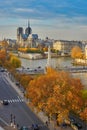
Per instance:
(65,46)
(26,39)
(28,30)
(19,33)
(86,52)
(11,42)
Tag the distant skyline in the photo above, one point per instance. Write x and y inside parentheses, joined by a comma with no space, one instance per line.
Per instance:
(57,19)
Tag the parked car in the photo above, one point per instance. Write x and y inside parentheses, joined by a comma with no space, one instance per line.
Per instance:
(2,70)
(5,102)
(35,127)
(72,120)
(79,126)
(24,128)
(64,125)
(17,83)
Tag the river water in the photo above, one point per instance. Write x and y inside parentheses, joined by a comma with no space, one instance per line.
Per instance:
(55,62)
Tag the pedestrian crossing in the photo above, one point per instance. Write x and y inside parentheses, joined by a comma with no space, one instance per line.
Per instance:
(15,100)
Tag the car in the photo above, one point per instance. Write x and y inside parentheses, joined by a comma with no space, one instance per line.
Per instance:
(2,70)
(5,102)
(72,120)
(17,83)
(35,127)
(24,128)
(64,124)
(79,126)
(35,70)
(39,67)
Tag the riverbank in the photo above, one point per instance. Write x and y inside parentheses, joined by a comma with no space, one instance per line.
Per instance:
(77,69)
(37,56)
(80,62)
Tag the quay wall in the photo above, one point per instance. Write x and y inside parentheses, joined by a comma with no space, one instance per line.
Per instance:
(35,56)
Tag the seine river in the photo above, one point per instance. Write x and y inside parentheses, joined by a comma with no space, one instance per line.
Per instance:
(55,62)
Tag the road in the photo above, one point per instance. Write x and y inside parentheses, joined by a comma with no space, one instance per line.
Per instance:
(17,111)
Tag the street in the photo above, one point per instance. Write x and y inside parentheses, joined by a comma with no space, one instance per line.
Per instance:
(16,112)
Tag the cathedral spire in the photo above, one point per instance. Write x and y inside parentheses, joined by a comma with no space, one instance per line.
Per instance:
(28,23)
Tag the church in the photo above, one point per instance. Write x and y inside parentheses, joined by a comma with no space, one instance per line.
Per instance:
(26,39)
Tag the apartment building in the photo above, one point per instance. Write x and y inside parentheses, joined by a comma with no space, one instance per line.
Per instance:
(65,46)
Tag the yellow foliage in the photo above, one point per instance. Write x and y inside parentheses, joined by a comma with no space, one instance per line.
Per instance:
(54,92)
(15,61)
(33,49)
(22,49)
(3,55)
(62,116)
(45,49)
(25,49)
(76,52)
(25,79)
(83,114)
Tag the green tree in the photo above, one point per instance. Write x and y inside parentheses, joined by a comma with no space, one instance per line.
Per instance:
(15,61)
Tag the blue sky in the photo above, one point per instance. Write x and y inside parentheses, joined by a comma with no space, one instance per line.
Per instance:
(57,19)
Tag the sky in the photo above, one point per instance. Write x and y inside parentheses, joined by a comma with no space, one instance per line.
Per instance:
(55,19)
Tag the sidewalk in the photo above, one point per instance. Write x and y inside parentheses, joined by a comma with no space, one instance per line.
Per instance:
(1,128)
(7,128)
(52,125)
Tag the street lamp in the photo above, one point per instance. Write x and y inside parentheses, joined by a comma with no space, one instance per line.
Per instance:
(14,121)
(11,120)
(84,123)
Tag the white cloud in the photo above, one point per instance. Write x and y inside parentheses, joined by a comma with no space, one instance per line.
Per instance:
(21,10)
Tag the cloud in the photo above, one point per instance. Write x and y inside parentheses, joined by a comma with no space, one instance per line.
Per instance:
(17,10)
(42,9)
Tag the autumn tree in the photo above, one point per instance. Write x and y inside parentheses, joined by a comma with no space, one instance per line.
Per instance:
(76,52)
(25,79)
(83,114)
(15,61)
(45,49)
(84,94)
(2,56)
(55,92)
(83,111)
(4,45)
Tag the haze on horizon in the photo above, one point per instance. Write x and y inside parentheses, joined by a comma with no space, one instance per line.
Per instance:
(66,20)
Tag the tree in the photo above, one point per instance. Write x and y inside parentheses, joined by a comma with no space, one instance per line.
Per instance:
(76,52)
(2,56)
(15,61)
(84,94)
(24,80)
(83,114)
(4,45)
(54,93)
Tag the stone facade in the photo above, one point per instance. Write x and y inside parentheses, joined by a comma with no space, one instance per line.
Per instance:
(65,46)
(26,39)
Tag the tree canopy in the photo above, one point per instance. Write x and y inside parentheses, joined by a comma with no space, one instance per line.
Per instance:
(76,52)
(15,61)
(57,93)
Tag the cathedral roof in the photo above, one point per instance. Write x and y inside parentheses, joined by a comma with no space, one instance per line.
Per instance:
(24,36)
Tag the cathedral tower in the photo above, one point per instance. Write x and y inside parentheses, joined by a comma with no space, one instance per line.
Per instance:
(28,30)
